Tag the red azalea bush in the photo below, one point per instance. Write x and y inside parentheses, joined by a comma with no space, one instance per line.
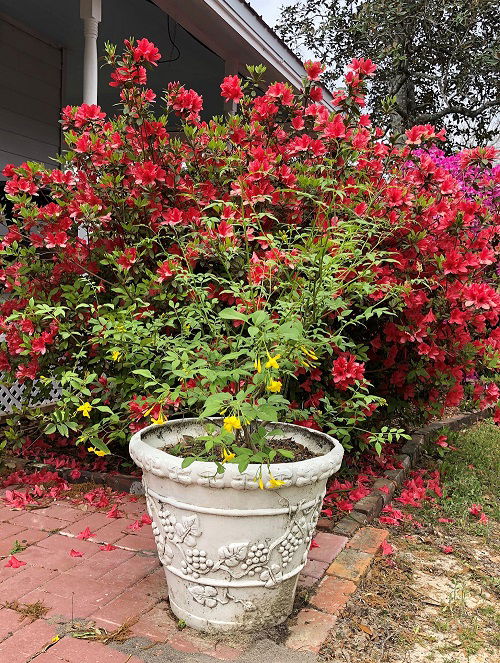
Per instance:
(119,265)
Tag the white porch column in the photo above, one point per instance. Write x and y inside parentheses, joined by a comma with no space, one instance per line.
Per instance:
(231,68)
(90,13)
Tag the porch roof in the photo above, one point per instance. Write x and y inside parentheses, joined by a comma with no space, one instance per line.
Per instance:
(237,33)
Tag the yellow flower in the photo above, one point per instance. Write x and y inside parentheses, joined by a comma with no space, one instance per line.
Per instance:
(160,420)
(98,452)
(272,361)
(275,483)
(55,638)
(231,423)
(85,409)
(274,386)
(261,483)
(307,352)
(115,355)
(258,365)
(226,455)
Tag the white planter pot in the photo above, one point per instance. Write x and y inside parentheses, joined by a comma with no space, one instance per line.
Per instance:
(232,552)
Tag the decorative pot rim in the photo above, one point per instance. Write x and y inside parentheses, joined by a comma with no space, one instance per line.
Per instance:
(296,473)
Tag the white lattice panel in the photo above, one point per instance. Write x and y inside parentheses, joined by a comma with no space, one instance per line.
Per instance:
(12,397)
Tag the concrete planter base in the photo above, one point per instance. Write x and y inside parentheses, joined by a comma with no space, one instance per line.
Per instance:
(232,553)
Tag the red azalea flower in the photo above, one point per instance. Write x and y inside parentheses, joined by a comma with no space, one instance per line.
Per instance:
(146,51)
(231,89)
(313,69)
(346,371)
(127,258)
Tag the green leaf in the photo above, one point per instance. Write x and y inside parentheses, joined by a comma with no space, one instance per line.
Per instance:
(243,464)
(104,408)
(267,412)
(99,444)
(232,314)
(291,330)
(143,372)
(213,404)
(286,453)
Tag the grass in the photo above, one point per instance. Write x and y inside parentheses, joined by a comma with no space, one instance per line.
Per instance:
(471,475)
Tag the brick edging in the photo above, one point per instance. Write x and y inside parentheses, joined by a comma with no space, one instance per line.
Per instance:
(311,627)
(368,508)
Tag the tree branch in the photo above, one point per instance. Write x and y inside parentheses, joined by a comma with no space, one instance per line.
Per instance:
(459,110)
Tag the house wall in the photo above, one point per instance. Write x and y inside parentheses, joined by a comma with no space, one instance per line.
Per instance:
(58,22)
(30,99)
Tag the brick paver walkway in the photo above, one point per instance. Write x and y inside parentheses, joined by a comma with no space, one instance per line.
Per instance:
(88,568)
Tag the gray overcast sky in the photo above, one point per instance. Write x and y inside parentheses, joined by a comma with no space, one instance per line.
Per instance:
(270,12)
(269,9)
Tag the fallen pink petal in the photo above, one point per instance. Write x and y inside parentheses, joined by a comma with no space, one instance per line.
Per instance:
(84,534)
(15,563)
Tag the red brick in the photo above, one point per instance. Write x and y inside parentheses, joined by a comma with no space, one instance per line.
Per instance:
(49,657)
(115,529)
(62,512)
(154,584)
(27,579)
(188,644)
(136,542)
(129,604)
(38,521)
(58,543)
(58,560)
(131,571)
(310,630)
(368,539)
(10,621)
(91,592)
(30,536)
(6,546)
(77,650)
(94,521)
(8,572)
(62,607)
(324,523)
(351,564)
(306,582)
(223,652)
(332,595)
(134,509)
(329,547)
(156,624)
(315,569)
(26,641)
(8,530)
(6,513)
(100,563)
